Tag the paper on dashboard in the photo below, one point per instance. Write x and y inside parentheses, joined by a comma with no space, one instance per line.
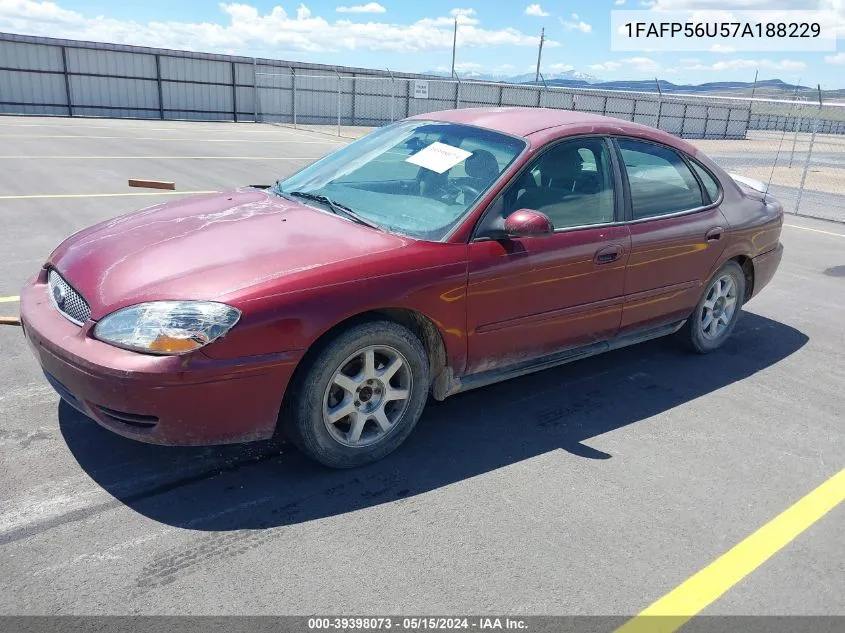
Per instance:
(438,157)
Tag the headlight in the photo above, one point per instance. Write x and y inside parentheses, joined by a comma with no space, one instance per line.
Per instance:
(167,327)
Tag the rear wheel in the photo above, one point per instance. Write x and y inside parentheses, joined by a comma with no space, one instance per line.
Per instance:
(361,396)
(716,314)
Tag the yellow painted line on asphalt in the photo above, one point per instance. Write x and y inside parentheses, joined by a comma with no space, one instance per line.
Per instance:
(165,138)
(678,606)
(807,228)
(161,157)
(104,195)
(11,299)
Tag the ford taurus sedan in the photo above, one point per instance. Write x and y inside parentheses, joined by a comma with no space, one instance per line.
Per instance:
(438,254)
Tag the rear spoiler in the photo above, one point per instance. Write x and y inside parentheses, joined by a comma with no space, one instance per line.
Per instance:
(756,185)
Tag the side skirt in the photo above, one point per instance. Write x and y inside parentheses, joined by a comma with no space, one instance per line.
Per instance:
(482,379)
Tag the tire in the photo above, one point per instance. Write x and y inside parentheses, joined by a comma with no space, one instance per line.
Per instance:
(712,321)
(347,408)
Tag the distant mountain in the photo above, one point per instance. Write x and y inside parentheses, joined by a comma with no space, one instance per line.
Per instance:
(569,75)
(774,88)
(737,88)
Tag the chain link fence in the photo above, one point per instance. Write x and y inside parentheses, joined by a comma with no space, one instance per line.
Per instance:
(344,100)
(797,145)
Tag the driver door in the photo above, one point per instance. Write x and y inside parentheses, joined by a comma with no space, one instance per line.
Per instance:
(532,296)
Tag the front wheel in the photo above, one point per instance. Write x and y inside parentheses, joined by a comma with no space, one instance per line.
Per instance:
(360,397)
(716,313)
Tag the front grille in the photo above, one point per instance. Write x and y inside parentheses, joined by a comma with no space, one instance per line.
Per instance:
(67,300)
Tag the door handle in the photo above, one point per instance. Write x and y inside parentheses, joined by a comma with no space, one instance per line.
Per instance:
(608,254)
(714,234)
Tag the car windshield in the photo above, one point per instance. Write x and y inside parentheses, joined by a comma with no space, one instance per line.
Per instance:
(417,178)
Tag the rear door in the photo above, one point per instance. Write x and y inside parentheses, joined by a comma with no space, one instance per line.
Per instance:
(678,233)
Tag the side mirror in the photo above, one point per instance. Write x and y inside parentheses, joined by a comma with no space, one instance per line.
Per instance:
(528,223)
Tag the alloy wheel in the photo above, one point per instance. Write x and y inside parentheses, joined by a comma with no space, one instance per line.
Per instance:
(367,396)
(718,308)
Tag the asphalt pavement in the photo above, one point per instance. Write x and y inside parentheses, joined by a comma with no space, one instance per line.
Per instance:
(594,488)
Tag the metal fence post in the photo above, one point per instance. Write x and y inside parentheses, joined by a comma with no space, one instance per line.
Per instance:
(659,111)
(392,94)
(338,103)
(458,94)
(293,93)
(67,82)
(354,92)
(806,166)
(160,92)
(234,93)
(255,88)
(796,126)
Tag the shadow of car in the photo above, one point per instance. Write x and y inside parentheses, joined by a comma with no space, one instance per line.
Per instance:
(266,484)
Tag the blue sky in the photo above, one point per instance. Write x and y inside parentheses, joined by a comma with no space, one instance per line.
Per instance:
(494,37)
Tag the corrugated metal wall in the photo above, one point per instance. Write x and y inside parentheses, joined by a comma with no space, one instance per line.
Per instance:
(64,77)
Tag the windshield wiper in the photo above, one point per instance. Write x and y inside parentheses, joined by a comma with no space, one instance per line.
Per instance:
(336,207)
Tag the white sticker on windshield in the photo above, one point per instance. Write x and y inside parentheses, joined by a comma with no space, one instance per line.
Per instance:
(438,157)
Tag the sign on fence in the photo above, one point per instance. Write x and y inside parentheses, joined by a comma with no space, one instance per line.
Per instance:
(420,89)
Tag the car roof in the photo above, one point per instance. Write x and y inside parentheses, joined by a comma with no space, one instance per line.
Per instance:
(527,121)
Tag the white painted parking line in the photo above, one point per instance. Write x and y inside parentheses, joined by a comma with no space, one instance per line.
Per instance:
(165,138)
(159,157)
(807,228)
(104,195)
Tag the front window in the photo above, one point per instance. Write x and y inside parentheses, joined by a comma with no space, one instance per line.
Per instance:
(416,178)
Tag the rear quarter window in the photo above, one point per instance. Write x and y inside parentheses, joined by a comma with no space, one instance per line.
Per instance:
(710,184)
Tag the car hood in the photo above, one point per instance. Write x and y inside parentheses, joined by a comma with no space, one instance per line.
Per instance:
(210,247)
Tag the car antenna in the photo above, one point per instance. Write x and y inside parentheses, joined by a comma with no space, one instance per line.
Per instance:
(782,136)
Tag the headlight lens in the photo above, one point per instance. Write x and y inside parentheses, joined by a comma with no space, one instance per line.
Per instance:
(167,327)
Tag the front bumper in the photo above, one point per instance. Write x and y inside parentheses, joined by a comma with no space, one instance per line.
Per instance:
(177,400)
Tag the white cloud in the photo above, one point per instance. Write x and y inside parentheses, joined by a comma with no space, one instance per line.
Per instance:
(536,10)
(559,68)
(580,25)
(574,16)
(611,66)
(619,2)
(474,69)
(784,65)
(836,60)
(370,7)
(736,5)
(245,30)
(630,64)
(721,48)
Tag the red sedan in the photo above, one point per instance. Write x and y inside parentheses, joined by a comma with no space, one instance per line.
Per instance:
(442,253)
